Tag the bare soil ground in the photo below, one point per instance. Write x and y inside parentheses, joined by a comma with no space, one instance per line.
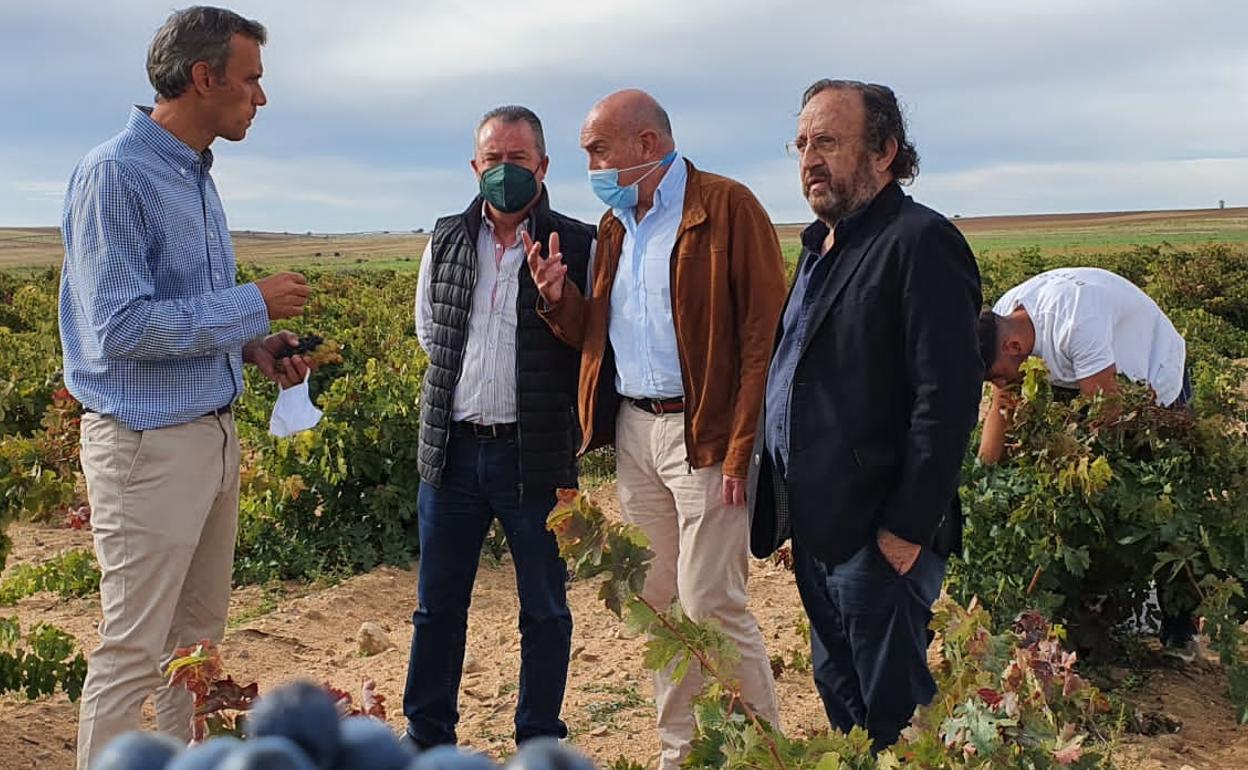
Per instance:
(281,633)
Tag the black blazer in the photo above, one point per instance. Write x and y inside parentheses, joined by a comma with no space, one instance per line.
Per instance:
(885,394)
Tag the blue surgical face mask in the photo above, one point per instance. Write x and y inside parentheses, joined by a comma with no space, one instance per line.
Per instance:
(606,183)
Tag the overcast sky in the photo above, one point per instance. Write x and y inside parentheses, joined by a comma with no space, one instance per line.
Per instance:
(1016,107)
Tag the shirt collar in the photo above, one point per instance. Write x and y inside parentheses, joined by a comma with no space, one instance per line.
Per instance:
(485,217)
(673,182)
(176,152)
(816,233)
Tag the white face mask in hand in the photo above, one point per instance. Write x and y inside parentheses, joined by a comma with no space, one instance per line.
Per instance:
(294,411)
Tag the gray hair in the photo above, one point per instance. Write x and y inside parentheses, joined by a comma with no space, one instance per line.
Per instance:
(195,34)
(512,113)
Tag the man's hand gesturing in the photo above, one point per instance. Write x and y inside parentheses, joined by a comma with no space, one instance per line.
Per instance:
(548,273)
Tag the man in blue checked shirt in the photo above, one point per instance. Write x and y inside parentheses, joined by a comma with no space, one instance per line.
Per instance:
(155,334)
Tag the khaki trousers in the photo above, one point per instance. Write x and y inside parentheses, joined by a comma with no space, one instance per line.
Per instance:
(164,512)
(700,556)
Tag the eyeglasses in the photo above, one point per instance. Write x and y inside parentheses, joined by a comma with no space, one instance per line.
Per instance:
(822,144)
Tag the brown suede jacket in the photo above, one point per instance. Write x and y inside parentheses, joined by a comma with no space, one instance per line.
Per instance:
(728,289)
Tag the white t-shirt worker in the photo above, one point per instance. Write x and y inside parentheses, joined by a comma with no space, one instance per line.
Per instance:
(1088,325)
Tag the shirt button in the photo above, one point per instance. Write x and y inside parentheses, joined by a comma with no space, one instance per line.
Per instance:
(216,274)
(212,236)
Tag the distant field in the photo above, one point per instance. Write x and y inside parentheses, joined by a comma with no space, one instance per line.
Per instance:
(41,247)
(1107,231)
(1087,233)
(1075,233)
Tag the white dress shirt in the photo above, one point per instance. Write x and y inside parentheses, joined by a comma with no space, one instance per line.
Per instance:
(486,392)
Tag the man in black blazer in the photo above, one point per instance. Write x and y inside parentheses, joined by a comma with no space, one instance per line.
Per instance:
(872,393)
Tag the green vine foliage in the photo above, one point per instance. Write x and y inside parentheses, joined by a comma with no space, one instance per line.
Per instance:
(30,486)
(30,355)
(1099,501)
(337,500)
(34,475)
(342,498)
(1006,699)
(40,662)
(70,574)
(1222,599)
(39,472)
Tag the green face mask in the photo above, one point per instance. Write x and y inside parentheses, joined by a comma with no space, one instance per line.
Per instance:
(508,187)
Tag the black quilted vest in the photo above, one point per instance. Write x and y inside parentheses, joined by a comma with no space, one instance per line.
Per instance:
(546,368)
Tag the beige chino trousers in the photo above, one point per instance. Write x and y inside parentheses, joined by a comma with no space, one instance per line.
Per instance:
(700,556)
(164,513)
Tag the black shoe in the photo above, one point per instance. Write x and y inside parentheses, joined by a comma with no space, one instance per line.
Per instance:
(409,740)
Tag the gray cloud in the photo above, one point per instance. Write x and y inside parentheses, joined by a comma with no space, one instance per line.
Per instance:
(1016,107)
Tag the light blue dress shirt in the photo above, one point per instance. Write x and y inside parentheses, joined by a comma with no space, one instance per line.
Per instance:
(643,336)
(152,323)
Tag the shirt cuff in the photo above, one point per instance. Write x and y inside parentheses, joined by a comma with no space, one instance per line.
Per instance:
(737,464)
(917,529)
(554,312)
(253,315)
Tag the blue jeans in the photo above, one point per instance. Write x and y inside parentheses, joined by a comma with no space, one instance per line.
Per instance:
(869,637)
(481,482)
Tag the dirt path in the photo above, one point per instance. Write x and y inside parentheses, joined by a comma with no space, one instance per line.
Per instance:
(301,631)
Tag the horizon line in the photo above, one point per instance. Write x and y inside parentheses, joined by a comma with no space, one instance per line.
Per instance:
(1228,210)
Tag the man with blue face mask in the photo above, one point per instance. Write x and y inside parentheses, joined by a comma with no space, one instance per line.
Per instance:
(498,429)
(675,336)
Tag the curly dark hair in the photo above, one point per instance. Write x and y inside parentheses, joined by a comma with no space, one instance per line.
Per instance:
(884,121)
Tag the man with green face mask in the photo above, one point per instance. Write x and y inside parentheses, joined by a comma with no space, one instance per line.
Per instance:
(499,430)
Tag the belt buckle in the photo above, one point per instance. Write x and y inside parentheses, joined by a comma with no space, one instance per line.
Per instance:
(650,405)
(481,431)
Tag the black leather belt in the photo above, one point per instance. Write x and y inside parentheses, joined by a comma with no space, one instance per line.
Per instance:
(502,430)
(659,405)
